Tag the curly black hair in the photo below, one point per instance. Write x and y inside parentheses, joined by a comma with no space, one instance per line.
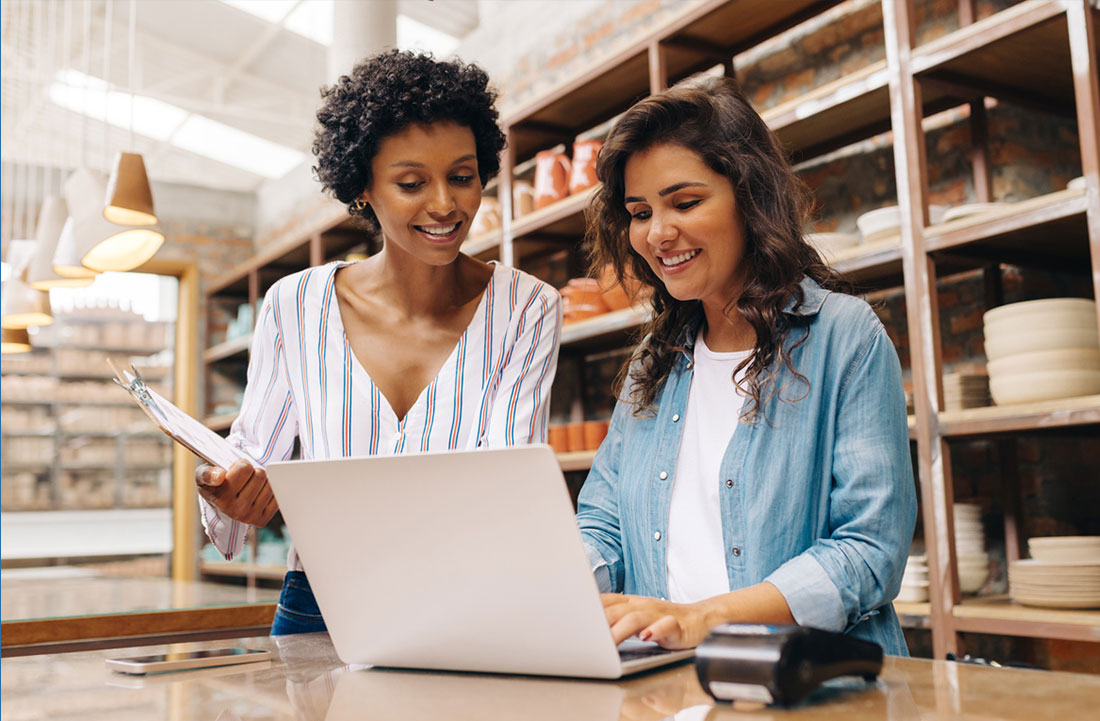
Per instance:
(382,95)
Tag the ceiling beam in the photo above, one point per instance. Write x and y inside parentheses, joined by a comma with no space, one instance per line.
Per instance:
(261,43)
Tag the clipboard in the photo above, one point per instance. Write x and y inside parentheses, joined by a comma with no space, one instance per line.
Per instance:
(177,425)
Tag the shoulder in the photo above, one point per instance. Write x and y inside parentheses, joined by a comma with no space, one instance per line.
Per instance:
(304,282)
(522,291)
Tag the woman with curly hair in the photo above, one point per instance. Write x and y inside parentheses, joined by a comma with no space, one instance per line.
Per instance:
(757,467)
(418,347)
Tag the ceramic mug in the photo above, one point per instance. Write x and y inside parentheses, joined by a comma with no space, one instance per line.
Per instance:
(585,153)
(551,177)
(523,198)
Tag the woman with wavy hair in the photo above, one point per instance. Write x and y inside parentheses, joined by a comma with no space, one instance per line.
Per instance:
(417,348)
(757,467)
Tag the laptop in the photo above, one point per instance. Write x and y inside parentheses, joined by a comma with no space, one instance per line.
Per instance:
(457,561)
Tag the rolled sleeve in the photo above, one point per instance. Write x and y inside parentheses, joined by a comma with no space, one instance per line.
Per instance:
(810,593)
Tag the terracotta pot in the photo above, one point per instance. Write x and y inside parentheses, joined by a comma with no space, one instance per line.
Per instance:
(617,296)
(583,175)
(582,299)
(551,177)
(575,431)
(558,438)
(594,433)
(523,198)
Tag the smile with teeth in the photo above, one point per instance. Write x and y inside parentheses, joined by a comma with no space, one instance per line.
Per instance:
(679,259)
(440,230)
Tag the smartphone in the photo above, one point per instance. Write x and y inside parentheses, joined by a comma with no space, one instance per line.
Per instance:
(183,660)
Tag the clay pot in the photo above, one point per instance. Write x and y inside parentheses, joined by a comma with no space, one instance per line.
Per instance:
(583,299)
(575,432)
(487,218)
(594,433)
(551,177)
(583,175)
(558,438)
(523,198)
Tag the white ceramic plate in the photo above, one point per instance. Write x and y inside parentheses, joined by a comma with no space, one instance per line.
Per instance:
(829,244)
(1043,385)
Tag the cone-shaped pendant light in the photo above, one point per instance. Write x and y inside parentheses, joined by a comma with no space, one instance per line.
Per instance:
(23,306)
(129,197)
(15,340)
(40,273)
(102,245)
(66,262)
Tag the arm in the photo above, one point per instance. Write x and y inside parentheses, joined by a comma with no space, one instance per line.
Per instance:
(840,579)
(230,503)
(521,411)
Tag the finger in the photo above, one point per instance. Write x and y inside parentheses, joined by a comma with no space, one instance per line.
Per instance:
(666,631)
(615,613)
(210,476)
(240,471)
(271,507)
(630,624)
(612,599)
(259,509)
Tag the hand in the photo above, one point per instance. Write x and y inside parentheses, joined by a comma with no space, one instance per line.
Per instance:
(242,492)
(672,625)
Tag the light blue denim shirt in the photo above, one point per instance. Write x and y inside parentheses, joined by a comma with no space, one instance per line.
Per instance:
(818,499)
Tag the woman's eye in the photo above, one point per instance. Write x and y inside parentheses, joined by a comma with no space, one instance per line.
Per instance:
(687,204)
(462,179)
(410,186)
(641,215)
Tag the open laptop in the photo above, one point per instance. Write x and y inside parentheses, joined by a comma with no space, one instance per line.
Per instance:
(459,561)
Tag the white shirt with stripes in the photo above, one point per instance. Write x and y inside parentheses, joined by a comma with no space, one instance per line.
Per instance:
(305,382)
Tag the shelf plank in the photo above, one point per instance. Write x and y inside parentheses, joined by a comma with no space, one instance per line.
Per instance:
(484,243)
(565,217)
(576,460)
(613,323)
(1060,413)
(227,349)
(220,422)
(1002,616)
(914,614)
(241,569)
(1020,52)
(867,263)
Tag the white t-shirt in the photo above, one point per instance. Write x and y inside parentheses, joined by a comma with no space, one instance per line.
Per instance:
(696,553)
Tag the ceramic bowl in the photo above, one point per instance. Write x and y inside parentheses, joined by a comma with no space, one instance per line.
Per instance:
(1043,306)
(1052,360)
(1043,386)
(1028,338)
(1077,183)
(882,223)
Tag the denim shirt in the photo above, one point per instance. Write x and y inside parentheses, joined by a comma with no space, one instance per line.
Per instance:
(817,496)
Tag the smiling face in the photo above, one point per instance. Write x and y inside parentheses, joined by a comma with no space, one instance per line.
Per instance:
(425,189)
(685,223)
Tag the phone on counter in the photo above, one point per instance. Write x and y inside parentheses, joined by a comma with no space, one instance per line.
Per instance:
(184,660)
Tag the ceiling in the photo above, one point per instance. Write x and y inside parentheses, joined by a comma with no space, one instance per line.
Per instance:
(210,59)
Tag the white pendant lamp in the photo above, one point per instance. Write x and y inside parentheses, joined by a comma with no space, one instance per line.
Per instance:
(40,273)
(23,306)
(102,245)
(15,340)
(66,261)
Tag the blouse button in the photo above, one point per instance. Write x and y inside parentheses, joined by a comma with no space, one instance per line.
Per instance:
(729,483)
(675,417)
(663,475)
(657,535)
(736,550)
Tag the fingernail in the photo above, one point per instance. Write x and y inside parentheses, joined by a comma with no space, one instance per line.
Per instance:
(645,635)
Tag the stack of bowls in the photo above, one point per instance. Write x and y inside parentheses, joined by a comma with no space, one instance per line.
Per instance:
(1068,364)
(965,390)
(914,582)
(1064,572)
(883,223)
(831,245)
(973,560)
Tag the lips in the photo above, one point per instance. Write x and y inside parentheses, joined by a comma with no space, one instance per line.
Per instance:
(674,261)
(439,233)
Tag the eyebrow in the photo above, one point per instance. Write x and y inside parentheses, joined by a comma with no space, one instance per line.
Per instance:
(665,191)
(414,164)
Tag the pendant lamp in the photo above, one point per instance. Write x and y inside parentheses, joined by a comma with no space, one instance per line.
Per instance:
(102,245)
(23,306)
(129,197)
(66,262)
(40,273)
(15,340)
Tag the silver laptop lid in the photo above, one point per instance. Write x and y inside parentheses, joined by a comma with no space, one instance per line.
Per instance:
(466,561)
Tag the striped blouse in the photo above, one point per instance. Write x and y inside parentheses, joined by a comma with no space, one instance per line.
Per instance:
(305,383)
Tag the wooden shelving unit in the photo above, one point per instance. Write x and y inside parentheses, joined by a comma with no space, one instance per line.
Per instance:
(1041,53)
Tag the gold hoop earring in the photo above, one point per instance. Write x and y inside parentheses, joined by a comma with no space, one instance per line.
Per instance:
(359,205)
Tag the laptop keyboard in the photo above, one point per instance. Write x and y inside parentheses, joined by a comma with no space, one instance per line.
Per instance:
(637,652)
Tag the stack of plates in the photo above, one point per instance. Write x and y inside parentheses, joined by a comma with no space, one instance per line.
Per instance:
(880,224)
(965,390)
(1056,578)
(829,244)
(1068,365)
(973,561)
(914,582)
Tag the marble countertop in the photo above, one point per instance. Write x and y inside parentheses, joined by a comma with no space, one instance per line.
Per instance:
(306,681)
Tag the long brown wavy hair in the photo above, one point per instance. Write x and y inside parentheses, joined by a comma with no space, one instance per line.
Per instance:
(714,119)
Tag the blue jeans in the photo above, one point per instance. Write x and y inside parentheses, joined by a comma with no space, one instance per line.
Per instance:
(297,611)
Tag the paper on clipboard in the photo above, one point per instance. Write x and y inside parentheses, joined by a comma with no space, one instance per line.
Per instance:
(182,428)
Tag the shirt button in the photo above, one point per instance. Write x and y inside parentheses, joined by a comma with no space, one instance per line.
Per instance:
(675,417)
(736,550)
(729,483)
(657,535)
(663,475)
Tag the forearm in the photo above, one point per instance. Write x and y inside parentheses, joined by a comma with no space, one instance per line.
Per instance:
(762,603)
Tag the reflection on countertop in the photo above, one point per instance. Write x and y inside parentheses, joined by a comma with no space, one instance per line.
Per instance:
(65,592)
(306,681)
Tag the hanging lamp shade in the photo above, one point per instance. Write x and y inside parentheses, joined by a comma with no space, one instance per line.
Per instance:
(40,273)
(129,197)
(100,244)
(66,262)
(22,306)
(15,340)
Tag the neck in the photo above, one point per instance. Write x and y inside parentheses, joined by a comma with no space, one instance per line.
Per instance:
(414,288)
(727,333)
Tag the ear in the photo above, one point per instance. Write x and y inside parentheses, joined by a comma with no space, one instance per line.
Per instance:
(365,196)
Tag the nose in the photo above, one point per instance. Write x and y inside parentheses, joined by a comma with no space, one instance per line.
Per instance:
(662,233)
(441,203)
